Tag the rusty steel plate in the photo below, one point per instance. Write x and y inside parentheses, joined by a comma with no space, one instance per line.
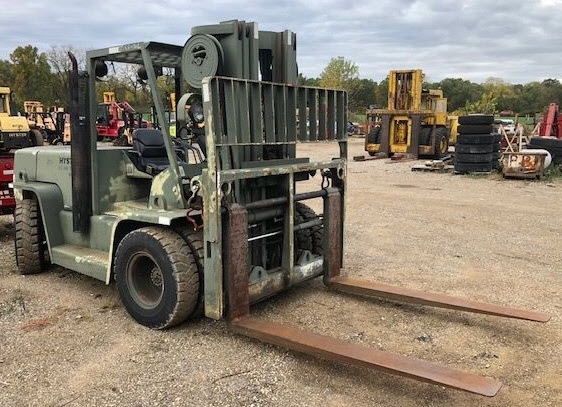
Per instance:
(373,289)
(362,356)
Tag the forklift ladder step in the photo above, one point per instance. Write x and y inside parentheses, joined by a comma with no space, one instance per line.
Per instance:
(333,349)
(91,262)
(373,289)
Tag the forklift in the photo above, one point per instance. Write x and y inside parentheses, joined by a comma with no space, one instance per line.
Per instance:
(415,122)
(183,237)
(15,133)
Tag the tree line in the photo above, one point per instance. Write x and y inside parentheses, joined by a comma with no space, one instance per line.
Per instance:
(43,76)
(463,96)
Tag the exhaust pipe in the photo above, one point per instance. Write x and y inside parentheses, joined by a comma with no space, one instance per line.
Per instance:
(80,149)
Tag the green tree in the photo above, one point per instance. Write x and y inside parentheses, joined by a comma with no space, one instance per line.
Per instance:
(381,94)
(60,65)
(458,92)
(503,92)
(486,104)
(343,74)
(339,74)
(31,75)
(529,97)
(551,92)
(304,81)
(6,76)
(365,93)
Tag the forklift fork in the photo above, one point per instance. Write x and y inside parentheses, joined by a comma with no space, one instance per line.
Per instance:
(241,322)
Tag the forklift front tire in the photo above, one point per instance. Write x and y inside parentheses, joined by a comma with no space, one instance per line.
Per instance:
(441,142)
(157,277)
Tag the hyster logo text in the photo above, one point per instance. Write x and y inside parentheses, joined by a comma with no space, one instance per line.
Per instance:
(64,160)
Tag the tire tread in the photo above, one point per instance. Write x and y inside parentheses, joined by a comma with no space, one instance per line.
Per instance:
(184,272)
(316,232)
(476,119)
(29,232)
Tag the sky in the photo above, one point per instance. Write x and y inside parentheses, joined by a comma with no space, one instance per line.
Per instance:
(518,41)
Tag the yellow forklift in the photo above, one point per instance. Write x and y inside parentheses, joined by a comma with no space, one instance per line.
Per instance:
(415,122)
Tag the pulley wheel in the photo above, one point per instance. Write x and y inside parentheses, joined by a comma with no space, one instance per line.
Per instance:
(202,56)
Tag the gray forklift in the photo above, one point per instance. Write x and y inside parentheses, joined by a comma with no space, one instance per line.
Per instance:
(187,234)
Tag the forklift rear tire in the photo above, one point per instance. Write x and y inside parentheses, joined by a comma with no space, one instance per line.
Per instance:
(316,232)
(372,153)
(30,237)
(303,237)
(157,277)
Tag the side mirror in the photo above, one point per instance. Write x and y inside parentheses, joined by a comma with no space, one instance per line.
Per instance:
(100,69)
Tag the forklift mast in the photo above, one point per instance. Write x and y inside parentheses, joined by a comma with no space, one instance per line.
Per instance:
(405,89)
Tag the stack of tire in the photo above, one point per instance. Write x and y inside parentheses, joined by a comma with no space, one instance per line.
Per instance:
(477,148)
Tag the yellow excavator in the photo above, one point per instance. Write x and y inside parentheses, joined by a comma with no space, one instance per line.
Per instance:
(14,134)
(14,129)
(415,122)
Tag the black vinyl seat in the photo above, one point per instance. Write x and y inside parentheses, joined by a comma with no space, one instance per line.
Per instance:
(149,152)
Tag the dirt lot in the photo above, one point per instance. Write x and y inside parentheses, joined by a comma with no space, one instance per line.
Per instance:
(66,341)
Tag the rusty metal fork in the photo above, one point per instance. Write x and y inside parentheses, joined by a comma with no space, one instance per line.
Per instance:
(379,290)
(240,321)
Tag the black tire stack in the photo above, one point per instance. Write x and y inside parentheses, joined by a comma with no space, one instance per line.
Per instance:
(497,153)
(477,148)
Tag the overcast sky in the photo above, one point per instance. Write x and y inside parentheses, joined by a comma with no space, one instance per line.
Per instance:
(518,40)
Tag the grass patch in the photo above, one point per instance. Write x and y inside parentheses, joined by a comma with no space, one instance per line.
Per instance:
(553,172)
(480,175)
(12,305)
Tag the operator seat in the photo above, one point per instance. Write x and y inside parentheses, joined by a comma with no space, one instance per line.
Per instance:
(149,152)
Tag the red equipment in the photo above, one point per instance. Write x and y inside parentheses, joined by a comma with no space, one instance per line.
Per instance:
(110,117)
(7,200)
(547,135)
(551,125)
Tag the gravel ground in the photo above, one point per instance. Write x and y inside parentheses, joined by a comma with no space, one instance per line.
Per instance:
(66,341)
